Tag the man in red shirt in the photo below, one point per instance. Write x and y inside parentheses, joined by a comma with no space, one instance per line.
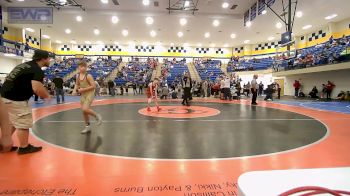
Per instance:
(329,88)
(297,86)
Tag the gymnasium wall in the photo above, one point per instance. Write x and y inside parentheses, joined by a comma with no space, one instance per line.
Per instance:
(339,77)
(142,50)
(7,64)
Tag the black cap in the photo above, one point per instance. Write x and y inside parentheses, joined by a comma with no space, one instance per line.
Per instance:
(41,54)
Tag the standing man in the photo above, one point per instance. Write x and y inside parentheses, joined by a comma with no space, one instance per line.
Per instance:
(24,80)
(111,88)
(297,86)
(187,86)
(254,89)
(278,88)
(58,81)
(261,88)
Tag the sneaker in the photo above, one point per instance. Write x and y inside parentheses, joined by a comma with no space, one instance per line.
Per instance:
(148,109)
(29,149)
(86,130)
(254,104)
(99,119)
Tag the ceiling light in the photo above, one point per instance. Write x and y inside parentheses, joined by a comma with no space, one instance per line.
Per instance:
(307,27)
(299,14)
(233,36)
(149,20)
(264,12)
(216,23)
(331,16)
(248,24)
(271,38)
(73,42)
(62,1)
(187,4)
(46,37)
(125,32)
(68,31)
(206,35)
(29,29)
(96,32)
(87,42)
(115,19)
(20,0)
(279,25)
(59,41)
(212,45)
(104,1)
(183,21)
(180,34)
(153,33)
(145,2)
(225,5)
(246,41)
(79,18)
(225,45)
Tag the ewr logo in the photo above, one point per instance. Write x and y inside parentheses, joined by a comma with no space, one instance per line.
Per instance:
(30,15)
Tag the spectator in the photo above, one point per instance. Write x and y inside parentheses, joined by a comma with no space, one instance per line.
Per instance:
(134,87)
(269,93)
(330,86)
(297,86)
(261,88)
(58,81)
(313,93)
(254,88)
(111,88)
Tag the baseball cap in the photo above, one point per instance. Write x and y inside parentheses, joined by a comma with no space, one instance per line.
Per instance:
(42,54)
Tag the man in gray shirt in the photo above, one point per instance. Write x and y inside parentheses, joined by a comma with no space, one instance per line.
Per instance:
(254,89)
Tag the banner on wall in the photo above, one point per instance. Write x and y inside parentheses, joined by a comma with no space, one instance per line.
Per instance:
(270,2)
(30,15)
(253,12)
(261,6)
(246,17)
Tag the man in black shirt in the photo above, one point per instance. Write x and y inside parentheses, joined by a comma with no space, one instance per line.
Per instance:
(19,86)
(58,81)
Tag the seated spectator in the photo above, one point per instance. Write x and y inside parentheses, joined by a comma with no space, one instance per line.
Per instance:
(313,93)
(269,92)
(341,95)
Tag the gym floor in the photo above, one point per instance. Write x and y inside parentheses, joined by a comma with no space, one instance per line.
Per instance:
(197,150)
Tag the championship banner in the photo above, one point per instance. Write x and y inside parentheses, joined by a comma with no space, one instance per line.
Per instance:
(261,6)
(30,15)
(246,17)
(270,2)
(253,12)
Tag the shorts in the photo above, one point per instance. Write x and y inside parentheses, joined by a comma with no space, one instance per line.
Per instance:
(20,113)
(87,99)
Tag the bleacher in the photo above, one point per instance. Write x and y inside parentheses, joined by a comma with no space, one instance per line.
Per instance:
(176,73)
(101,69)
(61,69)
(251,64)
(210,69)
(131,73)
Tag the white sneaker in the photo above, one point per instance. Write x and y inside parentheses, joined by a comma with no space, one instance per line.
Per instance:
(99,119)
(86,130)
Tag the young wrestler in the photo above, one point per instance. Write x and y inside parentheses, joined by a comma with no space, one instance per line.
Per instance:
(85,86)
(152,94)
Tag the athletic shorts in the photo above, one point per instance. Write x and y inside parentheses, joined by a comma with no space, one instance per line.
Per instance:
(20,113)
